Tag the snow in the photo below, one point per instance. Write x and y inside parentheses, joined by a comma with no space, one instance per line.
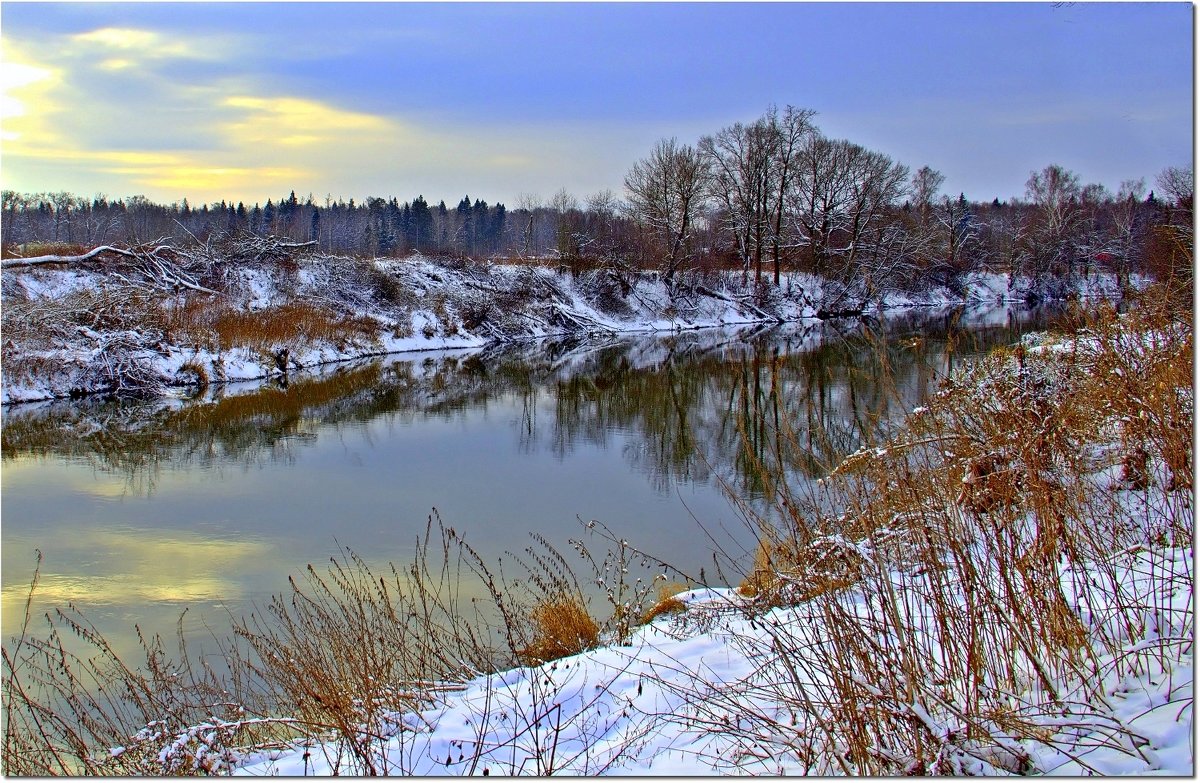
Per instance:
(710,689)
(676,700)
(519,303)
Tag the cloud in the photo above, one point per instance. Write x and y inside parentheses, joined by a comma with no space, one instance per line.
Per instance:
(295,121)
(123,110)
(22,85)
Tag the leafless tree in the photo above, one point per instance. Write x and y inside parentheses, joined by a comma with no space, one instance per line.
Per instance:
(1177,183)
(840,203)
(792,130)
(666,193)
(752,168)
(924,189)
(741,158)
(1056,197)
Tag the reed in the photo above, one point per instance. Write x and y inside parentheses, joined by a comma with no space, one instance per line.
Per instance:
(994,561)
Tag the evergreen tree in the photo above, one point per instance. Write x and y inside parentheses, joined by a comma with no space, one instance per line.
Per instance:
(422,223)
(462,214)
(268,218)
(407,229)
(479,225)
(499,214)
(443,228)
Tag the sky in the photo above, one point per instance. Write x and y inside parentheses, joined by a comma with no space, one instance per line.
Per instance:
(511,102)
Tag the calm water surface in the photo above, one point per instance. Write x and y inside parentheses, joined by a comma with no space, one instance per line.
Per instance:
(144,509)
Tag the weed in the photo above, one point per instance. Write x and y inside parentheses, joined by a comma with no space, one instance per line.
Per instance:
(968,557)
(562,627)
(206,322)
(668,602)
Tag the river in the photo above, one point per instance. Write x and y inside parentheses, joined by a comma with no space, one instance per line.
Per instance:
(144,509)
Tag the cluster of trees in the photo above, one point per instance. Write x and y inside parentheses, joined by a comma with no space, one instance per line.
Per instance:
(776,192)
(765,197)
(375,227)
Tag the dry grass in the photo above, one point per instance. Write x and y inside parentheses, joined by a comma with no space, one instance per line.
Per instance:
(344,655)
(562,627)
(668,602)
(341,655)
(212,323)
(31,249)
(977,564)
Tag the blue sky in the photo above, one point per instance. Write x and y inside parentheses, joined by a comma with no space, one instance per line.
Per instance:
(248,101)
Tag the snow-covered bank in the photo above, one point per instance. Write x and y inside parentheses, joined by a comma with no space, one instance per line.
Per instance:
(1006,588)
(712,690)
(1003,586)
(82,330)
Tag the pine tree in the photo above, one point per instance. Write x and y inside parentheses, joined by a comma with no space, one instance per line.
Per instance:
(268,218)
(422,223)
(465,228)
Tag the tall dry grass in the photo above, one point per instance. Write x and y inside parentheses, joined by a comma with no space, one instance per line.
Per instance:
(334,664)
(214,323)
(981,577)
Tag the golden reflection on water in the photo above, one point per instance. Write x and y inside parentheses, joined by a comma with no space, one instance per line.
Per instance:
(129,568)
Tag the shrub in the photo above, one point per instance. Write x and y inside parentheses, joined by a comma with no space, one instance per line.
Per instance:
(988,551)
(209,322)
(562,627)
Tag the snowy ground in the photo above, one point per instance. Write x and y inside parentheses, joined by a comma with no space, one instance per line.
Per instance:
(725,686)
(705,692)
(730,686)
(418,304)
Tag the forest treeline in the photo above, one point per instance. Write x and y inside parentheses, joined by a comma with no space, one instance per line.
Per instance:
(767,197)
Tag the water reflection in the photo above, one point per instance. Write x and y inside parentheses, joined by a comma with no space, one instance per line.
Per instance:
(145,507)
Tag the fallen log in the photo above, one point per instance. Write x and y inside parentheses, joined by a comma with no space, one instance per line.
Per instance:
(59,259)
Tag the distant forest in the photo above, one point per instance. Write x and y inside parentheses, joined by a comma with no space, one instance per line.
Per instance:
(768,197)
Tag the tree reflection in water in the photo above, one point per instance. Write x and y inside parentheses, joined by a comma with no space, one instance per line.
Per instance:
(698,404)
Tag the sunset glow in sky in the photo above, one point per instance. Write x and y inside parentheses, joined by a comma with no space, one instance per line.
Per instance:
(248,101)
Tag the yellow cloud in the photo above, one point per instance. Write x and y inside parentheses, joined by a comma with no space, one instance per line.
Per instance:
(296,121)
(118,38)
(116,64)
(221,179)
(139,42)
(22,86)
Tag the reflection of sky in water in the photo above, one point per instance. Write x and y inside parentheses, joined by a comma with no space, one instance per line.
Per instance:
(231,535)
(224,533)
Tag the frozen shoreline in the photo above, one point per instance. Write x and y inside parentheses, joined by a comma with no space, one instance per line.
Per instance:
(415,304)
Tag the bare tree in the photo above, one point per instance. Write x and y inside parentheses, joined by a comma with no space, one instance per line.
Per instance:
(924,189)
(842,197)
(528,205)
(1056,198)
(818,198)
(666,193)
(792,130)
(1177,183)
(752,168)
(1056,193)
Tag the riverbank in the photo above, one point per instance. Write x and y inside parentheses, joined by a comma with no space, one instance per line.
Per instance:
(113,326)
(1004,585)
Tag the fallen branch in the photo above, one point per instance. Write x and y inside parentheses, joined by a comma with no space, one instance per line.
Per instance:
(159,264)
(57,259)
